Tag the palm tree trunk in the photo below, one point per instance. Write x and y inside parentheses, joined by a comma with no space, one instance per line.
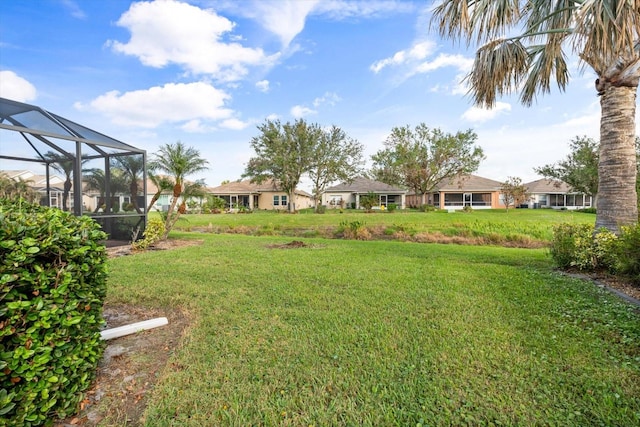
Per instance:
(617,197)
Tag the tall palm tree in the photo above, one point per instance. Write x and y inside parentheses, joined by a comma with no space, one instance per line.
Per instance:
(95,179)
(17,188)
(179,162)
(162,183)
(604,34)
(133,168)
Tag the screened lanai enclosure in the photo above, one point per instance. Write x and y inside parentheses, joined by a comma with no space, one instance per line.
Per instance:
(75,168)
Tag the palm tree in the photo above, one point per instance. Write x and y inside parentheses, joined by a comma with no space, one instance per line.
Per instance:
(604,34)
(133,168)
(179,162)
(95,179)
(162,183)
(64,165)
(17,188)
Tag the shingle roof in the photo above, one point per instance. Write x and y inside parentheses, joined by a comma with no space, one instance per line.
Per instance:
(469,183)
(248,187)
(364,185)
(547,186)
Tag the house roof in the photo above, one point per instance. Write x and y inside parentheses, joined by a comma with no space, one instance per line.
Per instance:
(547,186)
(364,185)
(469,183)
(248,187)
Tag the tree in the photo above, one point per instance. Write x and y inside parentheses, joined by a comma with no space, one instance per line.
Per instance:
(133,168)
(162,183)
(514,192)
(283,153)
(17,188)
(336,158)
(65,166)
(420,159)
(579,169)
(179,162)
(95,179)
(604,35)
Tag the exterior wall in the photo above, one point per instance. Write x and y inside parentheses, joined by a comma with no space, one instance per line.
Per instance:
(475,199)
(347,199)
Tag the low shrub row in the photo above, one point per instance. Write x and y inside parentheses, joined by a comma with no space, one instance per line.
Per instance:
(52,289)
(579,246)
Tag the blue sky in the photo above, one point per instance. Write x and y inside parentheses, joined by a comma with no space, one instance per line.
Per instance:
(207,72)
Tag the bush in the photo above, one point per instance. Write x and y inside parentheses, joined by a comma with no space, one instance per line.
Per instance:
(568,244)
(392,207)
(53,284)
(321,209)
(427,208)
(152,233)
(628,256)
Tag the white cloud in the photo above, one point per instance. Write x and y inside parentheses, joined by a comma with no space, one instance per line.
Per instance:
(329,98)
(233,124)
(165,32)
(479,115)
(417,52)
(273,117)
(263,85)
(445,60)
(14,87)
(299,111)
(74,9)
(287,18)
(173,103)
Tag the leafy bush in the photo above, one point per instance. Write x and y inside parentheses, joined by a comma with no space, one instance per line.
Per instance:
(467,209)
(152,233)
(321,209)
(568,242)
(52,288)
(629,253)
(576,246)
(427,208)
(391,207)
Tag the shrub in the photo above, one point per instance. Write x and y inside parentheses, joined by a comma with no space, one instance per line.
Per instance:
(427,208)
(152,234)
(321,209)
(392,207)
(467,209)
(568,240)
(52,288)
(629,252)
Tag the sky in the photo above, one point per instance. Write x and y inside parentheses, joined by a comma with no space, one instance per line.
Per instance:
(208,72)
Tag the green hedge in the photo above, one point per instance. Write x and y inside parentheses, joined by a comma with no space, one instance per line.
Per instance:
(579,246)
(52,288)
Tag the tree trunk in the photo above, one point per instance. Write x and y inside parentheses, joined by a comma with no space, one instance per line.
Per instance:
(617,198)
(291,199)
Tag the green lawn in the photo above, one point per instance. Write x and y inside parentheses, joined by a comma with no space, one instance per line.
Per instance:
(346,332)
(496,225)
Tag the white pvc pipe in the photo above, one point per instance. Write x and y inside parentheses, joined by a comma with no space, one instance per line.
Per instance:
(120,331)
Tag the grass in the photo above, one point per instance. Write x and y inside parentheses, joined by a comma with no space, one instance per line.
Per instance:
(523,227)
(345,332)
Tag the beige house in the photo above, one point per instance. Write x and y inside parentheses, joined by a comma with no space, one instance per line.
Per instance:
(347,195)
(456,193)
(39,183)
(266,196)
(546,193)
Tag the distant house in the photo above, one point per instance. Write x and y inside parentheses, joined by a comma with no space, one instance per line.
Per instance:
(461,191)
(546,193)
(39,184)
(266,196)
(347,195)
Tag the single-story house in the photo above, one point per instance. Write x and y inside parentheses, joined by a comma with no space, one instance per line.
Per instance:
(39,184)
(546,193)
(267,196)
(461,191)
(347,195)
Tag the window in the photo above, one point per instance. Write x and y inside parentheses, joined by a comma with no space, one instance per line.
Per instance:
(283,200)
(276,200)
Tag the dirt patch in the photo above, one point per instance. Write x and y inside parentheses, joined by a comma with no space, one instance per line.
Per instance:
(123,250)
(129,369)
(291,245)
